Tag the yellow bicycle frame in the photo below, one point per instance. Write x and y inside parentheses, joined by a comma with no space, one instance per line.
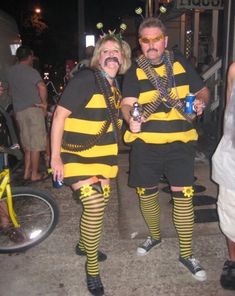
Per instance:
(6,187)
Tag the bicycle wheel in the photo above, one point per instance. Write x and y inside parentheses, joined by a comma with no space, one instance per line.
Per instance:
(37,214)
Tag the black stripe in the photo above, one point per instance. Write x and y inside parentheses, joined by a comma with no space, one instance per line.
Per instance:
(79,138)
(72,158)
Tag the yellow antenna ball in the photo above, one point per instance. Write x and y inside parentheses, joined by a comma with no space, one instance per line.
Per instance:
(138,10)
(99,26)
(123,27)
(162,9)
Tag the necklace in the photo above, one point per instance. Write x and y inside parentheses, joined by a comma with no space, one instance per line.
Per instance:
(106,75)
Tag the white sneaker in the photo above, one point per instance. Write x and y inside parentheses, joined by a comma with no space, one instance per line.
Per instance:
(147,245)
(193,265)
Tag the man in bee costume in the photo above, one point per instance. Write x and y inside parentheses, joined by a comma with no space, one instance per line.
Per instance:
(163,140)
(84,143)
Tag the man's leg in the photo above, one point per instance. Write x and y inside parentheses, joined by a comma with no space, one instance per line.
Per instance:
(150,209)
(183,217)
(231,249)
(27,165)
(34,158)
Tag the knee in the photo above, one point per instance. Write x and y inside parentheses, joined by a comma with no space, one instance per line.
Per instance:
(186,193)
(87,190)
(145,192)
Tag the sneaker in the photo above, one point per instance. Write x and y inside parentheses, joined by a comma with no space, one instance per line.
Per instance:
(94,284)
(101,256)
(192,264)
(147,245)
(227,279)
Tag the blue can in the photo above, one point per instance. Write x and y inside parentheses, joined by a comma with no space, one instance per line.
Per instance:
(57,184)
(189,103)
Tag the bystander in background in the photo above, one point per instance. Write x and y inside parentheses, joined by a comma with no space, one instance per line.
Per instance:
(223,173)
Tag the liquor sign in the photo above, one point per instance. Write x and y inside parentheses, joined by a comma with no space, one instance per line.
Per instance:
(200,4)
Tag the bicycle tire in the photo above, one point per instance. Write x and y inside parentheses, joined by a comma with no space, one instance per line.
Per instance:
(37,213)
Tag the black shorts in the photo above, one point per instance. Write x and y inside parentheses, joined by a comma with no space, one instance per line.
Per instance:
(149,162)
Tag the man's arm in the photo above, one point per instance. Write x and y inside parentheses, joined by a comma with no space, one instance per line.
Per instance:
(230,79)
(42,89)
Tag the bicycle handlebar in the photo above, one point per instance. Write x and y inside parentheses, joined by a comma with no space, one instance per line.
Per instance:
(13,150)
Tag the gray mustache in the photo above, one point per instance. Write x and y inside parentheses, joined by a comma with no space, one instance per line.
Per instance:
(152,49)
(111,59)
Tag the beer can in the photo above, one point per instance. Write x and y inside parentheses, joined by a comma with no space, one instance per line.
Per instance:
(57,184)
(189,103)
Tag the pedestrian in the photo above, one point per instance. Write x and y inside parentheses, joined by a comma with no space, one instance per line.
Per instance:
(223,173)
(84,144)
(6,227)
(163,140)
(29,98)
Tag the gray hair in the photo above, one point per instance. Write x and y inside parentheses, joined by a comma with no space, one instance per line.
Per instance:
(152,22)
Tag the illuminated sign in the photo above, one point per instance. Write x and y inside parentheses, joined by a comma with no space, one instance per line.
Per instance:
(197,4)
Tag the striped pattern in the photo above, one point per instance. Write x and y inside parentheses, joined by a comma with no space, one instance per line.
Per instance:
(101,159)
(150,210)
(166,125)
(183,217)
(90,229)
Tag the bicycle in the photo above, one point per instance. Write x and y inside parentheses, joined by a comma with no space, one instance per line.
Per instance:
(32,211)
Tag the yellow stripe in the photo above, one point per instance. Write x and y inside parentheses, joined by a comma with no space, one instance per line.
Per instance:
(160,138)
(97,101)
(77,169)
(172,115)
(97,151)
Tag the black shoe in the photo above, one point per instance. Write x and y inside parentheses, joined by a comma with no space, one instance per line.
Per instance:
(227,279)
(94,285)
(101,256)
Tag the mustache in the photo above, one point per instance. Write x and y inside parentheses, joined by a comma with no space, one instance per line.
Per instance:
(111,59)
(152,49)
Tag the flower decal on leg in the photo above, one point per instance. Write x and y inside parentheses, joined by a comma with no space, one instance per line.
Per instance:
(106,190)
(188,191)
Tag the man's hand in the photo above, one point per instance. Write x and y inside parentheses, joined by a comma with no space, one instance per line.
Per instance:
(199,106)
(43,106)
(135,125)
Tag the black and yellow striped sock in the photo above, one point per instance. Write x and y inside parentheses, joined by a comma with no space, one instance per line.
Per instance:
(106,193)
(150,210)
(183,217)
(91,225)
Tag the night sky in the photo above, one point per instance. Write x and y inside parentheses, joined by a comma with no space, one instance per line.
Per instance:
(60,40)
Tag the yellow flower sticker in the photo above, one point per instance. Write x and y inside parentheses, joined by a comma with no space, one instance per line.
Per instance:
(188,191)
(106,190)
(140,191)
(86,190)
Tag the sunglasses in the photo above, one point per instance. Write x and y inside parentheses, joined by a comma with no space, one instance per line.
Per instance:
(146,40)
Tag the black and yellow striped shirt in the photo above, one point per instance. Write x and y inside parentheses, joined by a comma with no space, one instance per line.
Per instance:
(89,113)
(166,125)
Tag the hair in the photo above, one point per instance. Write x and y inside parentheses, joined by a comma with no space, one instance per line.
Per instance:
(23,52)
(89,51)
(152,22)
(125,51)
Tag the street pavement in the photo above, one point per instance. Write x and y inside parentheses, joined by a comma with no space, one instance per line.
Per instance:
(53,269)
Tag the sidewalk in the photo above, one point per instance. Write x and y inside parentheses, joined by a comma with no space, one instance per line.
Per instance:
(53,269)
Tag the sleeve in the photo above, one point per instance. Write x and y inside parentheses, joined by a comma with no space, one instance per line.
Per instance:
(130,84)
(78,91)
(195,81)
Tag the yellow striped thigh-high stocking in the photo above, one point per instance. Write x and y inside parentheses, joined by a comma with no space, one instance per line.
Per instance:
(91,222)
(183,217)
(106,194)
(150,209)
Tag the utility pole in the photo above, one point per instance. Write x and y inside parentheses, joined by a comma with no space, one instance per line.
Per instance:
(81,29)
